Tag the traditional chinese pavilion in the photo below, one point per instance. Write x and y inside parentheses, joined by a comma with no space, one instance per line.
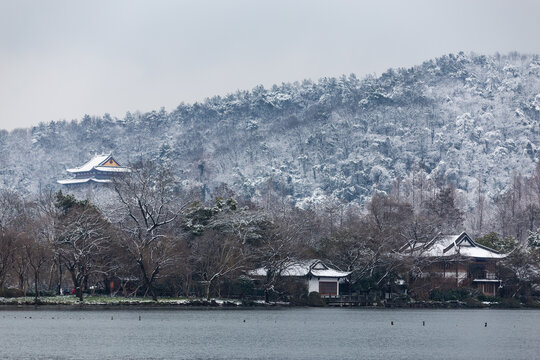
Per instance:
(100,170)
(318,276)
(457,260)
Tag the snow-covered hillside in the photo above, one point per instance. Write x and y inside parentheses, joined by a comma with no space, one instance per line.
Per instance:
(458,118)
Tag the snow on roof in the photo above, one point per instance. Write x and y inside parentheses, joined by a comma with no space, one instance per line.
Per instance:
(97,163)
(452,245)
(112,169)
(474,251)
(330,273)
(302,268)
(257,272)
(82,181)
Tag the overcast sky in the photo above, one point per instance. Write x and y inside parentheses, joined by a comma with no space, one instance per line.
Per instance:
(63,59)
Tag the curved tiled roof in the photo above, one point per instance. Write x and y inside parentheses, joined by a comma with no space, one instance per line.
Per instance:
(304,268)
(97,162)
(452,245)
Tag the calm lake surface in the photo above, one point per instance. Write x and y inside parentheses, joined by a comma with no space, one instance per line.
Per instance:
(269,334)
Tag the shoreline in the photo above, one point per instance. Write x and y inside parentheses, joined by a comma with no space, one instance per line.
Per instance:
(101,303)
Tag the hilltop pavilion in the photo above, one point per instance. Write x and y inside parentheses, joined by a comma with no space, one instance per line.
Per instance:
(100,170)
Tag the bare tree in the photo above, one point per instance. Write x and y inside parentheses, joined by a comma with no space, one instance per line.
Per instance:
(11,221)
(216,255)
(350,248)
(281,246)
(37,253)
(20,265)
(49,214)
(149,203)
(82,238)
(7,249)
(12,207)
(477,220)
(368,245)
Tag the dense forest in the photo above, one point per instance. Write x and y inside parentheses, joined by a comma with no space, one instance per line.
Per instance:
(470,120)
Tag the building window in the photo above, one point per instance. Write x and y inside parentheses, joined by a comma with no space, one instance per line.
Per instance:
(328,288)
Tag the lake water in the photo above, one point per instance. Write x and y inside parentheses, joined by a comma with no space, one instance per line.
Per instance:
(270,334)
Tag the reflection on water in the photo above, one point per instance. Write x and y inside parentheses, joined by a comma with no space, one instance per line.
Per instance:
(270,334)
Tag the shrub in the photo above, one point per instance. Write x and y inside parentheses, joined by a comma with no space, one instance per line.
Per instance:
(294,290)
(452,294)
(509,303)
(314,299)
(483,297)
(473,303)
(11,292)
(243,287)
(532,303)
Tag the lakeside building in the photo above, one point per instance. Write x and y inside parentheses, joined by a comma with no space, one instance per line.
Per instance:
(99,170)
(318,276)
(453,261)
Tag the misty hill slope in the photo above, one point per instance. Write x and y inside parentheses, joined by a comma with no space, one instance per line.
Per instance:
(458,117)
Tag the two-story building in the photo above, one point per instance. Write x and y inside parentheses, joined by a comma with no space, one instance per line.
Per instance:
(457,261)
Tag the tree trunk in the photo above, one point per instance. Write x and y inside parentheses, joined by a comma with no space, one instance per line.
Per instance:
(21,282)
(267,288)
(51,272)
(77,285)
(59,276)
(36,286)
(207,290)
(147,281)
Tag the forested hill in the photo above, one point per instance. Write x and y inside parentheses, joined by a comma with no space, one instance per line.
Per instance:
(458,119)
